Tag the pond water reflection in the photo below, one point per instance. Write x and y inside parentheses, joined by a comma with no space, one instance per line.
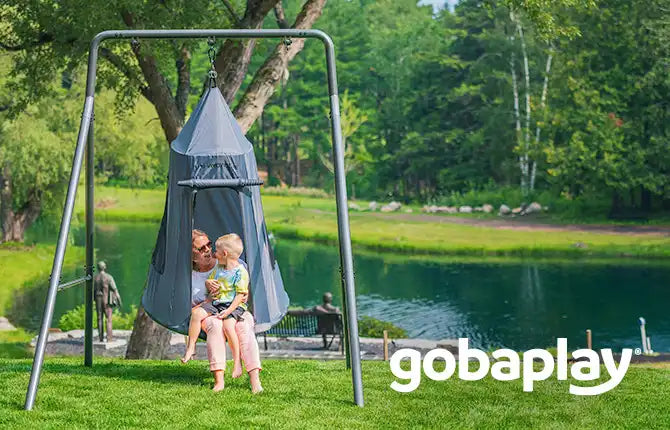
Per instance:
(514,305)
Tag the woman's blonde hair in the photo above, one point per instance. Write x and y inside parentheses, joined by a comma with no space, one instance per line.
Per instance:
(232,243)
(197,233)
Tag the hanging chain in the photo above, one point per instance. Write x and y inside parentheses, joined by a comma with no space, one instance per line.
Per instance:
(211,53)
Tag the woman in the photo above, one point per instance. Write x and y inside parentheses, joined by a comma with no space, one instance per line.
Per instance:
(203,264)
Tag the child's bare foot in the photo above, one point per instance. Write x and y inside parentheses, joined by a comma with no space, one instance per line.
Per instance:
(237,370)
(188,355)
(256,390)
(218,387)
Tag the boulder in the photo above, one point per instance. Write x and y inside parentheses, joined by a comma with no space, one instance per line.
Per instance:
(354,207)
(532,208)
(487,208)
(372,206)
(391,207)
(478,209)
(465,209)
(451,210)
(516,211)
(5,325)
(504,210)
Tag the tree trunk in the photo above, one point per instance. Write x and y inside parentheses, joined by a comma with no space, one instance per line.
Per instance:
(523,162)
(543,107)
(296,158)
(15,222)
(645,200)
(268,76)
(234,57)
(526,74)
(148,339)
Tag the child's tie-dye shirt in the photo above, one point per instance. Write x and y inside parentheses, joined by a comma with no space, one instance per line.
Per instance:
(233,281)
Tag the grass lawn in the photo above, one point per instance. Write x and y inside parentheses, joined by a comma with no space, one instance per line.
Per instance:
(311,394)
(15,344)
(315,219)
(21,264)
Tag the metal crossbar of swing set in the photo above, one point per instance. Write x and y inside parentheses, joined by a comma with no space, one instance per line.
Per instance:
(219,183)
(74,283)
(85,141)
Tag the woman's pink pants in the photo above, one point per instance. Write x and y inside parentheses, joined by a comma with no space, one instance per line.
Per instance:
(216,345)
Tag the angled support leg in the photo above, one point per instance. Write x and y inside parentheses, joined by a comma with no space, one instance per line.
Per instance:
(60,253)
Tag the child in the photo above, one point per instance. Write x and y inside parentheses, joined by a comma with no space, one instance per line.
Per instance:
(229,303)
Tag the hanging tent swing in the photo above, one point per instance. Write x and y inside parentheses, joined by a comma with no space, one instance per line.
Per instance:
(213,186)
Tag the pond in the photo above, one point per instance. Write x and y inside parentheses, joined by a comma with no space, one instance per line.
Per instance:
(514,305)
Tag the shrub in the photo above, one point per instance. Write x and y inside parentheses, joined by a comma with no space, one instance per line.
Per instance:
(74,319)
(372,327)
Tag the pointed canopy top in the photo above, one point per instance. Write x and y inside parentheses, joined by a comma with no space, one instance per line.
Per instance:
(211,129)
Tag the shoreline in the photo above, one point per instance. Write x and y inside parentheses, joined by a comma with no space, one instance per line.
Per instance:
(574,252)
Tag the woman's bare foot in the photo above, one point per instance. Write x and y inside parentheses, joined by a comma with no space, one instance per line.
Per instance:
(218,387)
(255,380)
(188,355)
(237,370)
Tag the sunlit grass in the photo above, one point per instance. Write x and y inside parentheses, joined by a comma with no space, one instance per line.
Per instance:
(315,219)
(21,264)
(15,344)
(311,394)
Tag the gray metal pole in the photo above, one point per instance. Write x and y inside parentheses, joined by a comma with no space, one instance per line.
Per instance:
(340,184)
(60,253)
(343,226)
(245,241)
(90,231)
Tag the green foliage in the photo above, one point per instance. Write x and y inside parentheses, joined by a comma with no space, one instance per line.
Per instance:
(129,148)
(66,30)
(427,100)
(75,319)
(372,327)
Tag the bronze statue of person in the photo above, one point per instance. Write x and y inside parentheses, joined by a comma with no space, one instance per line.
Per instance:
(327,306)
(106,299)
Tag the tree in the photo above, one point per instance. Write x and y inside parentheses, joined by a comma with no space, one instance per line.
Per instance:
(30,181)
(51,37)
(355,153)
(609,128)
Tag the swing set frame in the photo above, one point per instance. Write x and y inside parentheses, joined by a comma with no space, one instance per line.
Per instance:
(85,148)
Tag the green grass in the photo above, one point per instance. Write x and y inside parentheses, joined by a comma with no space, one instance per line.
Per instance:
(311,394)
(15,344)
(315,219)
(22,265)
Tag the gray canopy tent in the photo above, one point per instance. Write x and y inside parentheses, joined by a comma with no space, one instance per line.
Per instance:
(223,178)
(213,186)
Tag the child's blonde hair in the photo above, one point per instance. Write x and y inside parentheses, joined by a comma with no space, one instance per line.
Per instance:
(232,243)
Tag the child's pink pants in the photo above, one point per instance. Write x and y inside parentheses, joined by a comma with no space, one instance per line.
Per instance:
(216,346)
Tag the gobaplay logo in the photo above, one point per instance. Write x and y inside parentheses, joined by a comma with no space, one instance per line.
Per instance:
(507,366)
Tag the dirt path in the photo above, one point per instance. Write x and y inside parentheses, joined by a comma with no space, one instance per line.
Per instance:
(524,224)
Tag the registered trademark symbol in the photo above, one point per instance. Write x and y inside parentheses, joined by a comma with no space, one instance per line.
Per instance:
(638,351)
